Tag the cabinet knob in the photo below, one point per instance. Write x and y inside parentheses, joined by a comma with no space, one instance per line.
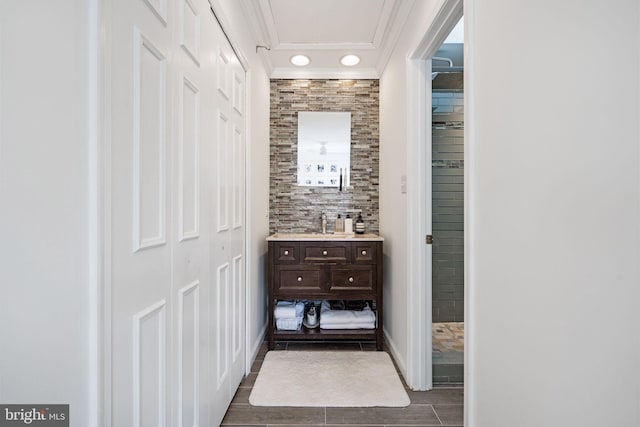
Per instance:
(299,278)
(351,279)
(324,253)
(286,252)
(364,252)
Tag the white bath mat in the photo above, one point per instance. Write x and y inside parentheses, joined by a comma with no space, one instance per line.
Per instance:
(328,378)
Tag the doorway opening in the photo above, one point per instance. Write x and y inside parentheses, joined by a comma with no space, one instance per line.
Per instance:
(447,204)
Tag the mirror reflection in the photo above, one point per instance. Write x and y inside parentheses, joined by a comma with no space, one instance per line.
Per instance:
(324,149)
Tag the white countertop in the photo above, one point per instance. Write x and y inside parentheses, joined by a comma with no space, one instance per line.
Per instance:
(306,237)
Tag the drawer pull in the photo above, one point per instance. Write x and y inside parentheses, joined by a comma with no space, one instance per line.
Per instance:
(324,253)
(286,253)
(364,253)
(299,278)
(351,279)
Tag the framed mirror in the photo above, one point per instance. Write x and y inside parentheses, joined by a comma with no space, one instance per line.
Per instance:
(324,149)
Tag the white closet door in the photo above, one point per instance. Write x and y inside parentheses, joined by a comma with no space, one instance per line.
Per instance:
(227,233)
(191,274)
(177,215)
(141,236)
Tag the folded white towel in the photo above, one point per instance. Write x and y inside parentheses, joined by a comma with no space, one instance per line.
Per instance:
(284,309)
(289,323)
(288,309)
(344,317)
(363,325)
(299,309)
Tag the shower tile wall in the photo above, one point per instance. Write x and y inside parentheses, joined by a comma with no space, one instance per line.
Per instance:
(297,209)
(447,102)
(448,207)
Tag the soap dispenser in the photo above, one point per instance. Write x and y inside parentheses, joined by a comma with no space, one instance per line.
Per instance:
(339,224)
(348,225)
(359,225)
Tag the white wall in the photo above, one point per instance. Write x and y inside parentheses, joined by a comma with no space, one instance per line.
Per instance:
(553,213)
(257,170)
(44,319)
(393,165)
(258,213)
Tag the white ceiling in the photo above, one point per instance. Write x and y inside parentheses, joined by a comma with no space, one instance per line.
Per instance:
(326,30)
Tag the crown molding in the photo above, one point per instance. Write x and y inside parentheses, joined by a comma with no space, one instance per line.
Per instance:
(325,46)
(325,73)
(386,17)
(259,31)
(397,17)
(258,26)
(268,23)
(392,19)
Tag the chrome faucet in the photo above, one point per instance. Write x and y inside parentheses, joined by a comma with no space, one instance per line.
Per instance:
(324,222)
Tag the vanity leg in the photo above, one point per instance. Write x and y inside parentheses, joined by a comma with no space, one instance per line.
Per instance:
(379,305)
(379,339)
(271,326)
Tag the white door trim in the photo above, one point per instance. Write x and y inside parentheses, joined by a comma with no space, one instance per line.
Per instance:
(99,245)
(419,310)
(469,194)
(419,370)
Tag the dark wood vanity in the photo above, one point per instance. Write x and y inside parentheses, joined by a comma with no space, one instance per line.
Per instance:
(317,267)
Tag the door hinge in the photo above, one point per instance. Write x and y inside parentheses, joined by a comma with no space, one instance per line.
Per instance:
(429,239)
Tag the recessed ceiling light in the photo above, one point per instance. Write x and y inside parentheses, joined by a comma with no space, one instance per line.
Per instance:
(349,60)
(300,60)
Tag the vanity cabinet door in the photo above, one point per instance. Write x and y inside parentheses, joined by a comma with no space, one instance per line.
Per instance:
(297,279)
(352,279)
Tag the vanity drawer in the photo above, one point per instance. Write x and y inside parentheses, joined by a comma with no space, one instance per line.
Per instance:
(286,253)
(355,278)
(324,252)
(364,252)
(296,279)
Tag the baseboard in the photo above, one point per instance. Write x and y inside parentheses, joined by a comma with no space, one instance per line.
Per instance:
(397,357)
(255,349)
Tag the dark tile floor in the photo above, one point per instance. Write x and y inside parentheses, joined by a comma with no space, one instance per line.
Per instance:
(439,407)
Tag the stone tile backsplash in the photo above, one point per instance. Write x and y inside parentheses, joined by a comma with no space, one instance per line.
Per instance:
(298,209)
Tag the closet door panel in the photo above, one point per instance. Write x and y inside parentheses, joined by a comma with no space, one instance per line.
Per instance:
(227,245)
(138,212)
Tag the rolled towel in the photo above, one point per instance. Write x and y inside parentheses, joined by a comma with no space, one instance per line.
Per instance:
(285,310)
(288,309)
(288,323)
